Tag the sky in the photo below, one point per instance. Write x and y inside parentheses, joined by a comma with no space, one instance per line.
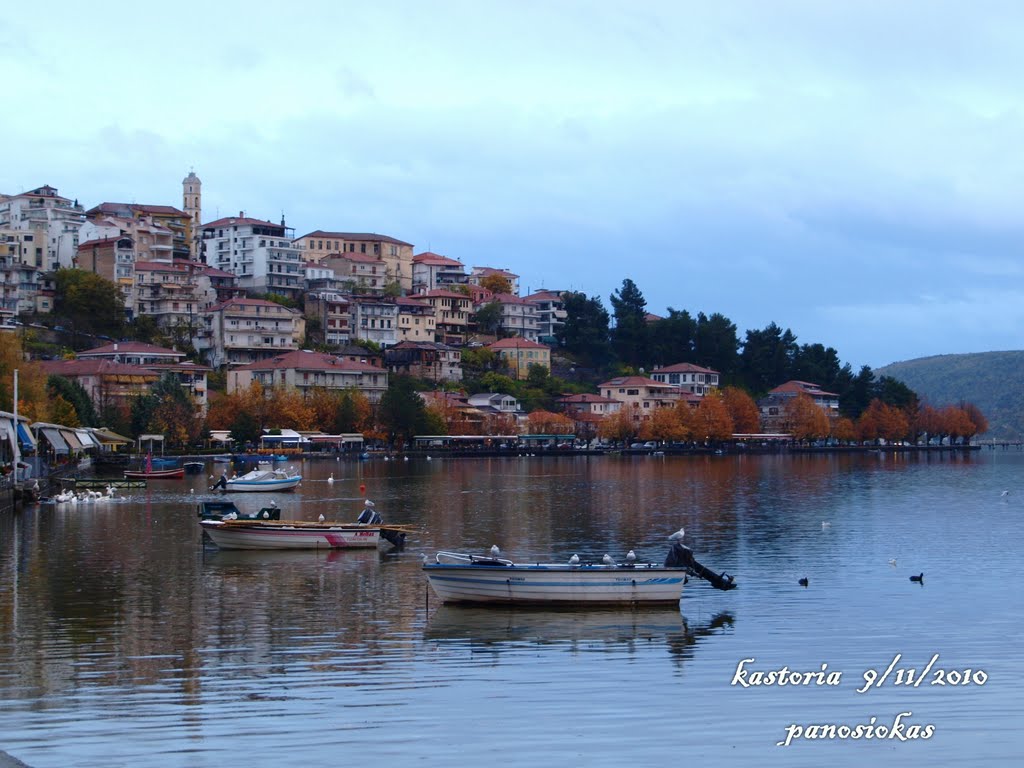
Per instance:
(850,170)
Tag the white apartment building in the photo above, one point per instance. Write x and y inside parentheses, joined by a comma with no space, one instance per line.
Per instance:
(373,319)
(431,271)
(551,314)
(20,279)
(688,377)
(53,220)
(259,252)
(241,331)
(518,316)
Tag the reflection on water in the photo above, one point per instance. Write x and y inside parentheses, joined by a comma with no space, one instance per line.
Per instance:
(492,628)
(124,640)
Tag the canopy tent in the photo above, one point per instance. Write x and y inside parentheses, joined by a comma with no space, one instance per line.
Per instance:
(143,439)
(220,435)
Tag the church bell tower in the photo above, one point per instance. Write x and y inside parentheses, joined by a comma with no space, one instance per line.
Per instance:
(192,195)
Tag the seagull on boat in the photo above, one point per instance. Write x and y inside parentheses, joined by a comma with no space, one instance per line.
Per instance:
(321,518)
(803,582)
(919,578)
(574,560)
(494,550)
(608,560)
(266,515)
(677,535)
(631,556)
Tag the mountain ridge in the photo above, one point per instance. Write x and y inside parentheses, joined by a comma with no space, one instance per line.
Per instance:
(990,380)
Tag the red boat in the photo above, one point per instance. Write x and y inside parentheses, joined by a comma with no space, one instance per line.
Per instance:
(155,474)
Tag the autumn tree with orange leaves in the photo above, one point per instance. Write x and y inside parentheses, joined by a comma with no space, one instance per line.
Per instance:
(804,419)
(548,423)
(664,426)
(746,418)
(711,421)
(881,421)
(618,427)
(844,430)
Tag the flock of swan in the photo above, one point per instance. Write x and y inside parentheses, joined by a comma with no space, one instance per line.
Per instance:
(84,497)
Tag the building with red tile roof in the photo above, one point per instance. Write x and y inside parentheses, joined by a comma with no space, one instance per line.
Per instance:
(691,378)
(394,255)
(304,371)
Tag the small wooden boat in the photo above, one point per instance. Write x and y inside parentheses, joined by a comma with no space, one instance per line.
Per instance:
(155,474)
(461,578)
(193,467)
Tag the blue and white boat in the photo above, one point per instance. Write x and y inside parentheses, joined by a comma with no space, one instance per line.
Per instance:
(259,480)
(461,578)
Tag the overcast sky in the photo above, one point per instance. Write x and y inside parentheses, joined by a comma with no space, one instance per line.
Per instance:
(850,170)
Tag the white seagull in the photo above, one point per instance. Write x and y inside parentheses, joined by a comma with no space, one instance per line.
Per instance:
(892,562)
(825,524)
(494,550)
(321,518)
(1005,493)
(631,556)
(608,560)
(677,535)
(574,560)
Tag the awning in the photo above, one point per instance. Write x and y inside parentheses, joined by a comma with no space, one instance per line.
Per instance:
(335,439)
(26,436)
(86,439)
(53,435)
(105,436)
(72,440)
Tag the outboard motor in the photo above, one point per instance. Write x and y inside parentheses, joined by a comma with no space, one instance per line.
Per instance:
(370,516)
(681,556)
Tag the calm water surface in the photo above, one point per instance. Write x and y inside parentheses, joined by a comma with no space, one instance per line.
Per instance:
(124,641)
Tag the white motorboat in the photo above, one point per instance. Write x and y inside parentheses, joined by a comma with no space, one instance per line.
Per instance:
(259,480)
(461,578)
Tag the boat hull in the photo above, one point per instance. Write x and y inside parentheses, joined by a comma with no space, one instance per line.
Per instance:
(556,585)
(262,486)
(237,534)
(156,474)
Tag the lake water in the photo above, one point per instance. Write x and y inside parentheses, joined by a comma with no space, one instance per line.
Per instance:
(124,641)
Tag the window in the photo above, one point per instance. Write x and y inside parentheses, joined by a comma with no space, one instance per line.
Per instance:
(362,247)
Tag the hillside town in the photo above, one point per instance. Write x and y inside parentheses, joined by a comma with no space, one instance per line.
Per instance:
(230,314)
